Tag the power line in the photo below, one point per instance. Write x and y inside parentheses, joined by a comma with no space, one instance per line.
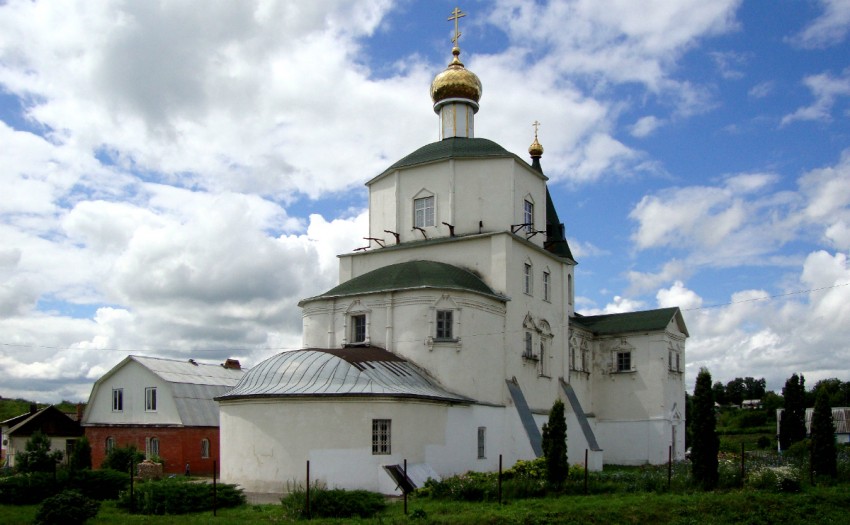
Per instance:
(798,292)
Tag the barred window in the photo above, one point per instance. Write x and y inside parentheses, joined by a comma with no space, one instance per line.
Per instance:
(444,324)
(381,436)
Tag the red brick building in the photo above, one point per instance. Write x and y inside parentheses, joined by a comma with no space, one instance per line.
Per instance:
(164,407)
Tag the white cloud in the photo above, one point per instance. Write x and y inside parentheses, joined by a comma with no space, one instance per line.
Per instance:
(678,295)
(761,90)
(826,88)
(828,29)
(645,126)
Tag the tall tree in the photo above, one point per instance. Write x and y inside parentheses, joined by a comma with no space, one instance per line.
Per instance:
(705,443)
(555,444)
(754,388)
(824,460)
(735,391)
(792,426)
(719,393)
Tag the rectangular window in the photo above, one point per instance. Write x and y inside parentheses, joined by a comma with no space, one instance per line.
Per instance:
(542,356)
(528,346)
(585,360)
(423,212)
(545,286)
(528,216)
(150,399)
(444,324)
(482,442)
(527,276)
(624,361)
(381,436)
(205,448)
(117,399)
(110,444)
(358,328)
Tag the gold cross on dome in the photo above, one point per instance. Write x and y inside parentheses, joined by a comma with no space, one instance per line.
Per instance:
(536,125)
(457,14)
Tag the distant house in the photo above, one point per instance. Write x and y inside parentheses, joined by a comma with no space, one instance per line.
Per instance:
(62,430)
(164,407)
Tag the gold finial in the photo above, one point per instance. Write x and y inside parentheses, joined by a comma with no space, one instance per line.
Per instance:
(457,14)
(535,150)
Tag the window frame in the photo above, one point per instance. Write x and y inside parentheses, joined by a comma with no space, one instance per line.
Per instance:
(117,399)
(150,399)
(482,442)
(528,276)
(528,215)
(623,361)
(429,204)
(528,349)
(382,437)
(110,444)
(205,448)
(445,326)
(358,326)
(152,447)
(547,286)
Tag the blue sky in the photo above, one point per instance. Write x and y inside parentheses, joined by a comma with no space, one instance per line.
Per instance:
(176,177)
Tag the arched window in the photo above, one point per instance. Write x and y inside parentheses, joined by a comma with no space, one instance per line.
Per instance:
(151,447)
(110,444)
(205,448)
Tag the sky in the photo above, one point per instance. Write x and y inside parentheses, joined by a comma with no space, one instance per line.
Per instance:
(176,175)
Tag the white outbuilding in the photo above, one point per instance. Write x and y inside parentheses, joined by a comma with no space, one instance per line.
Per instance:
(449,338)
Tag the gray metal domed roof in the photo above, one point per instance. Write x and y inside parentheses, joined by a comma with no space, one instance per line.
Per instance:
(351,371)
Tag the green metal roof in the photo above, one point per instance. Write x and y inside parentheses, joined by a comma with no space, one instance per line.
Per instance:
(453,148)
(645,321)
(411,275)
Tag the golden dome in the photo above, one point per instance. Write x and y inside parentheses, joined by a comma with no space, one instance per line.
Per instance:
(535,150)
(456,82)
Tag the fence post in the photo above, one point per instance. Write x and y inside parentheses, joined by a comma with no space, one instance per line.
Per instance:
(215,488)
(669,466)
(308,490)
(585,471)
(405,492)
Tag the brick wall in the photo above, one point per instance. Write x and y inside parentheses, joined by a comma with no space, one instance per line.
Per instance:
(177,445)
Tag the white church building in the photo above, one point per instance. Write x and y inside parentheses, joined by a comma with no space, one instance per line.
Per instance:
(448,339)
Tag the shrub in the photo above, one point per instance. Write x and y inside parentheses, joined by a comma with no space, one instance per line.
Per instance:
(27,489)
(472,486)
(763,442)
(66,508)
(120,458)
(99,484)
(330,503)
(774,479)
(80,458)
(38,457)
(179,496)
(338,503)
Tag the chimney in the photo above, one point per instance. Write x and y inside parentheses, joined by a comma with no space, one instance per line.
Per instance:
(79,412)
(232,364)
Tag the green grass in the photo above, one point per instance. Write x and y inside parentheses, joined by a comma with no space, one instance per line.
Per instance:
(820,505)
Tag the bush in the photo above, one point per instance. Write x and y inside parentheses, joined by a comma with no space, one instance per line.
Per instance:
(179,496)
(120,458)
(774,479)
(27,489)
(35,487)
(80,458)
(472,486)
(763,442)
(330,503)
(66,508)
(38,457)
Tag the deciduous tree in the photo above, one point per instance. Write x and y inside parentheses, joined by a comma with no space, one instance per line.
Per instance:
(37,456)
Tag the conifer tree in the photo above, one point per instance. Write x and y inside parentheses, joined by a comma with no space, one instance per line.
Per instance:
(555,445)
(792,426)
(80,458)
(37,456)
(705,443)
(824,460)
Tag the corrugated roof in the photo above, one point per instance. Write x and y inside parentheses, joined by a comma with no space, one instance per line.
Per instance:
(353,371)
(411,275)
(195,373)
(840,418)
(194,386)
(644,321)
